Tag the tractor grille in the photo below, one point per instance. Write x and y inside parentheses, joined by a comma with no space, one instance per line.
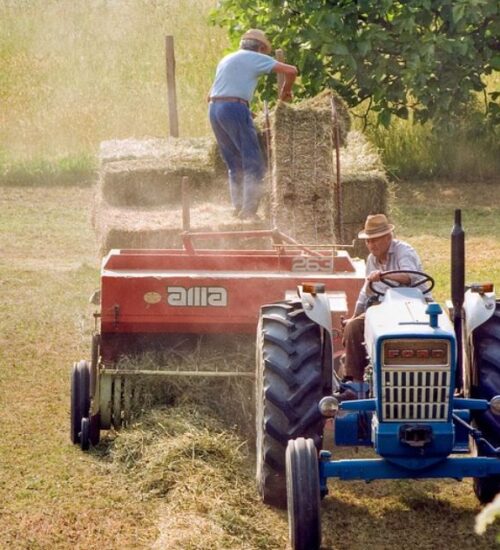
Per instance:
(409,394)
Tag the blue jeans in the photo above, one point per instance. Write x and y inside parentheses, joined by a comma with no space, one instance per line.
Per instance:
(239,147)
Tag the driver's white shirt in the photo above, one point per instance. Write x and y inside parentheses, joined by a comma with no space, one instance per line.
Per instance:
(401,256)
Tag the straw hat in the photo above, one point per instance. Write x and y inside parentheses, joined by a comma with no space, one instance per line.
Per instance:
(260,36)
(376,225)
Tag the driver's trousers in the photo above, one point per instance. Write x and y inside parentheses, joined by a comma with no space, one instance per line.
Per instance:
(355,352)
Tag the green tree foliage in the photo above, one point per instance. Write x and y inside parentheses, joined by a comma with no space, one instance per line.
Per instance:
(428,56)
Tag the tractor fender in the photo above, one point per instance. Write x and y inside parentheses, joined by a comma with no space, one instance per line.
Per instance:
(478,309)
(317,308)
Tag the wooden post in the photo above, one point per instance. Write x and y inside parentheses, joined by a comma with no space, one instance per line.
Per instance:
(186,215)
(172,93)
(337,185)
(280,56)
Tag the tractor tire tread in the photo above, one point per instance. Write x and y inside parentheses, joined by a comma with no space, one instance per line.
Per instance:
(288,394)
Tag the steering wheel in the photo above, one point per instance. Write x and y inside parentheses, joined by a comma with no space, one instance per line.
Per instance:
(424,278)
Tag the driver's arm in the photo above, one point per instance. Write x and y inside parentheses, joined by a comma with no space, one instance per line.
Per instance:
(401,278)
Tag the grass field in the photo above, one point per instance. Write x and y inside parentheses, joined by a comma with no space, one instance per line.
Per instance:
(73,74)
(53,496)
(76,73)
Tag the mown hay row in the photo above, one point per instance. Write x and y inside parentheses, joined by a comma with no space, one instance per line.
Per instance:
(200,470)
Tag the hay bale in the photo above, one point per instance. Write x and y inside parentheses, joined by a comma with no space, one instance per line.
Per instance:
(365,188)
(302,198)
(186,149)
(149,172)
(151,182)
(364,181)
(161,227)
(304,172)
(216,161)
(322,105)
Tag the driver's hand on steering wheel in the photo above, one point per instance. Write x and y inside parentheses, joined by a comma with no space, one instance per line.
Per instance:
(374,276)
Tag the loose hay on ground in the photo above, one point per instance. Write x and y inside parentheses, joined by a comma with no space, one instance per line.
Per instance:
(199,467)
(181,353)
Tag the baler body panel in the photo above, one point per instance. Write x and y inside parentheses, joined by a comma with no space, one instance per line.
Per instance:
(213,291)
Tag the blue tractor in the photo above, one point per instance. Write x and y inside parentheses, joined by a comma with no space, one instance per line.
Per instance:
(431,391)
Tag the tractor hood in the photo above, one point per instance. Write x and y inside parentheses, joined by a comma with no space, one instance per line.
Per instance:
(404,312)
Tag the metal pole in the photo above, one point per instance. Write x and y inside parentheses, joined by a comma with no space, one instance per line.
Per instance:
(458,289)
(172,93)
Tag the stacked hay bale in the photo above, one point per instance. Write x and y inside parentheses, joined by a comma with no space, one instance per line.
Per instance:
(138,203)
(304,171)
(139,199)
(365,187)
(149,173)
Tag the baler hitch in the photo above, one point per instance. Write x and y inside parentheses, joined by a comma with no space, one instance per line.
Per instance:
(415,435)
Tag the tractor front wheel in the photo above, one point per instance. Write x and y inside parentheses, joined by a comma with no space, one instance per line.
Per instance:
(293,373)
(303,493)
(485,488)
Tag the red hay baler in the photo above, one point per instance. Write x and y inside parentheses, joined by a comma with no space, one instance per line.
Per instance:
(150,296)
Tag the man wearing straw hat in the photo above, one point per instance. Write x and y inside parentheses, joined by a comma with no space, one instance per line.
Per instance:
(386,254)
(231,120)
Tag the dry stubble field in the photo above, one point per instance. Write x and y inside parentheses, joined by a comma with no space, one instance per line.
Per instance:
(53,496)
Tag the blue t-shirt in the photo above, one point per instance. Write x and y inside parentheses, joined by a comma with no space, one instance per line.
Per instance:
(237,74)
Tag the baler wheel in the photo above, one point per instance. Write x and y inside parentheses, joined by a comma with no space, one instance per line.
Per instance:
(80,398)
(303,494)
(95,420)
(85,434)
(292,376)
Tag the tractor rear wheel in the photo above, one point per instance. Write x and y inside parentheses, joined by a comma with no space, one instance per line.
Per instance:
(485,384)
(294,371)
(80,398)
(303,493)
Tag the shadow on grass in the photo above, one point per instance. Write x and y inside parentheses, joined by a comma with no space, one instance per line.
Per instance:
(412,516)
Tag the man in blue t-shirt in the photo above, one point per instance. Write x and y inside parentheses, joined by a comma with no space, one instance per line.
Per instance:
(233,88)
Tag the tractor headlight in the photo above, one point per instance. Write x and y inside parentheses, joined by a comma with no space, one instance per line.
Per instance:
(329,406)
(495,404)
